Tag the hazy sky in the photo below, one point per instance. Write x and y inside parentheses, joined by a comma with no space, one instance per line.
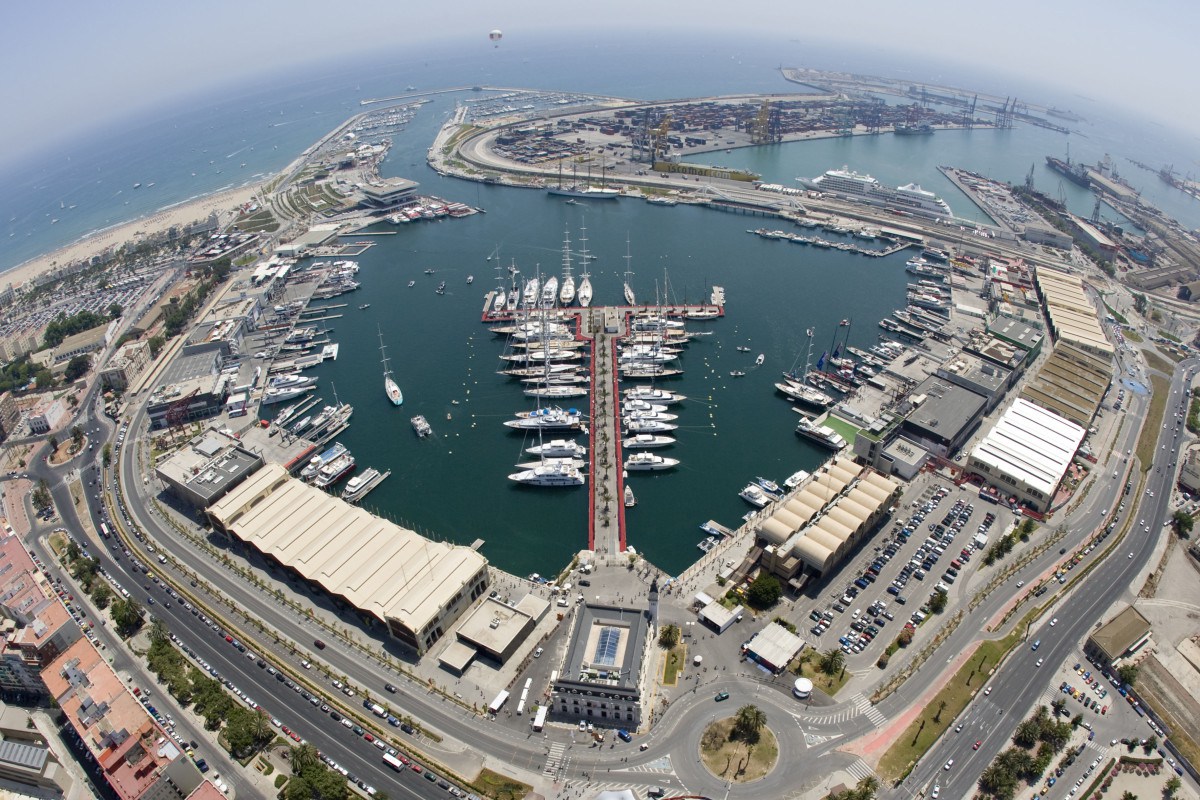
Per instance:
(75,64)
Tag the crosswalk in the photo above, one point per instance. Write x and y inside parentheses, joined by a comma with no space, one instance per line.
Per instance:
(865,707)
(554,758)
(859,705)
(859,769)
(659,765)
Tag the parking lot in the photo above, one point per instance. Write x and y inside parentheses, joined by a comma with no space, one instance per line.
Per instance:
(925,553)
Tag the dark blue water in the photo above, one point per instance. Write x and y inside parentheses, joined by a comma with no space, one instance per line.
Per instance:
(453,486)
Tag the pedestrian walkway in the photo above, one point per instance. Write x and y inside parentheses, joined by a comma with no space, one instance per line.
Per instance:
(554,758)
(860,769)
(872,713)
(661,765)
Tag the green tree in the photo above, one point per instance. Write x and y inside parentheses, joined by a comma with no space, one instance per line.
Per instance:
(106,454)
(159,634)
(905,638)
(832,661)
(156,345)
(53,440)
(1128,673)
(77,367)
(1027,733)
(1172,787)
(127,616)
(1183,523)
(77,435)
(63,326)
(115,310)
(937,602)
(1150,744)
(998,780)
(764,591)
(866,788)
(304,757)
(1077,720)
(102,595)
(72,552)
(748,722)
(41,496)
(668,637)
(1128,795)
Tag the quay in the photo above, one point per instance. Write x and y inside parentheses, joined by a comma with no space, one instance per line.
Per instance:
(606,534)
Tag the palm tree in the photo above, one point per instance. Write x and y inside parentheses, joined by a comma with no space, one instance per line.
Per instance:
(866,788)
(261,729)
(832,661)
(668,637)
(303,757)
(749,721)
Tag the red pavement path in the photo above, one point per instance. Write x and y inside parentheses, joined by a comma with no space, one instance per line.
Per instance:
(872,746)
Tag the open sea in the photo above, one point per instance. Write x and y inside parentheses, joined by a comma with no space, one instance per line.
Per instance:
(454,486)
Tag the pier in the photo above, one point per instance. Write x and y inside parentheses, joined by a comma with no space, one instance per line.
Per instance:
(607,517)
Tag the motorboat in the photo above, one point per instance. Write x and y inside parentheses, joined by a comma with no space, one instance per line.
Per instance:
(759,359)
(577,463)
(651,394)
(630,500)
(547,419)
(421,426)
(558,391)
(795,479)
(643,441)
(649,462)
(558,448)
(553,474)
(769,485)
(754,495)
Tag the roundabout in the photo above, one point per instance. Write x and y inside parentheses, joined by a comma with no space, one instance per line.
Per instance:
(741,748)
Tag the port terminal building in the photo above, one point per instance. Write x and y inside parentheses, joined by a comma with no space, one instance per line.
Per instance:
(603,674)
(814,529)
(415,587)
(1121,636)
(1026,453)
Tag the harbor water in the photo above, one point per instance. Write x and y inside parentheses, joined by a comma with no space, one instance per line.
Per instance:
(453,485)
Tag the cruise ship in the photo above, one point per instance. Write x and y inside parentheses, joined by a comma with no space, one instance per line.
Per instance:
(858,186)
(821,434)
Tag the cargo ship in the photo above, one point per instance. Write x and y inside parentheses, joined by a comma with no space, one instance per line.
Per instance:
(1075,173)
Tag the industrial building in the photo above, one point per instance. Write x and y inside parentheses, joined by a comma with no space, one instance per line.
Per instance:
(602,676)
(718,617)
(820,524)
(774,647)
(1121,636)
(1040,233)
(1071,315)
(1027,453)
(1072,383)
(207,469)
(493,629)
(983,378)
(187,400)
(314,237)
(130,361)
(942,415)
(416,587)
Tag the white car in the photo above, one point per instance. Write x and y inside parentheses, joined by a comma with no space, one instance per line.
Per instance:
(949,764)
(1053,622)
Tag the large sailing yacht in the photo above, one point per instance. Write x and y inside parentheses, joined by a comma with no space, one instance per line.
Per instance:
(389,386)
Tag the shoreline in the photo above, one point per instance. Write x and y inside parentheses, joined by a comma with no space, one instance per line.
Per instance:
(97,242)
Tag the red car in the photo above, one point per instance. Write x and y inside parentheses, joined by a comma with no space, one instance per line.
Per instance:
(415,767)
(976,745)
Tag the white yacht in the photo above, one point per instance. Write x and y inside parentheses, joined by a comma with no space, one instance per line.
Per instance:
(636,426)
(546,419)
(754,495)
(631,406)
(821,434)
(652,395)
(649,462)
(274,395)
(549,475)
(558,448)
(558,391)
(529,296)
(643,441)
(566,293)
(389,385)
(549,292)
(795,479)
(577,463)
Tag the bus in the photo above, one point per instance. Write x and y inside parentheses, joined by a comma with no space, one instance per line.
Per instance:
(539,719)
(499,702)
(393,762)
(104,532)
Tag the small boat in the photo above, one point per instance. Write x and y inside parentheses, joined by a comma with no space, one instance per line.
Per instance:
(441,289)
(795,479)
(630,500)
(754,495)
(769,485)
(429,271)
(412,284)
(758,362)
(470,279)
(421,426)
(743,349)
(737,373)
(364,306)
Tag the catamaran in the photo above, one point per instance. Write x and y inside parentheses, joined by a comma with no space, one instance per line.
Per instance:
(389,386)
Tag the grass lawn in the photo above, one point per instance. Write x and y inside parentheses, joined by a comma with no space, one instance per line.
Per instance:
(841,426)
(1159,388)
(501,787)
(925,730)
(1134,336)
(1117,315)
(736,760)
(826,683)
(1168,336)
(1155,361)
(673,663)
(58,543)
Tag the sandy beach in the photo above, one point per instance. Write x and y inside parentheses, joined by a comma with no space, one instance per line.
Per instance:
(183,214)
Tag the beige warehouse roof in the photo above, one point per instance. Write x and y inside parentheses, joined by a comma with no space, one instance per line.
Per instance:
(841,514)
(834,528)
(813,554)
(825,539)
(379,567)
(804,506)
(775,531)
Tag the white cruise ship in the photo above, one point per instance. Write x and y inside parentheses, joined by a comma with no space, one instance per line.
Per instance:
(852,185)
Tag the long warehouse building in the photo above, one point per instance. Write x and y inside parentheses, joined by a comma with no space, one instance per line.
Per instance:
(416,587)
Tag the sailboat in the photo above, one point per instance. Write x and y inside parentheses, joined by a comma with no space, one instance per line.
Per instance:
(584,295)
(566,292)
(586,190)
(630,298)
(796,386)
(389,386)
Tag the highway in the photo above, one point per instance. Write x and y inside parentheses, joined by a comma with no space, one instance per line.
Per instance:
(1016,686)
